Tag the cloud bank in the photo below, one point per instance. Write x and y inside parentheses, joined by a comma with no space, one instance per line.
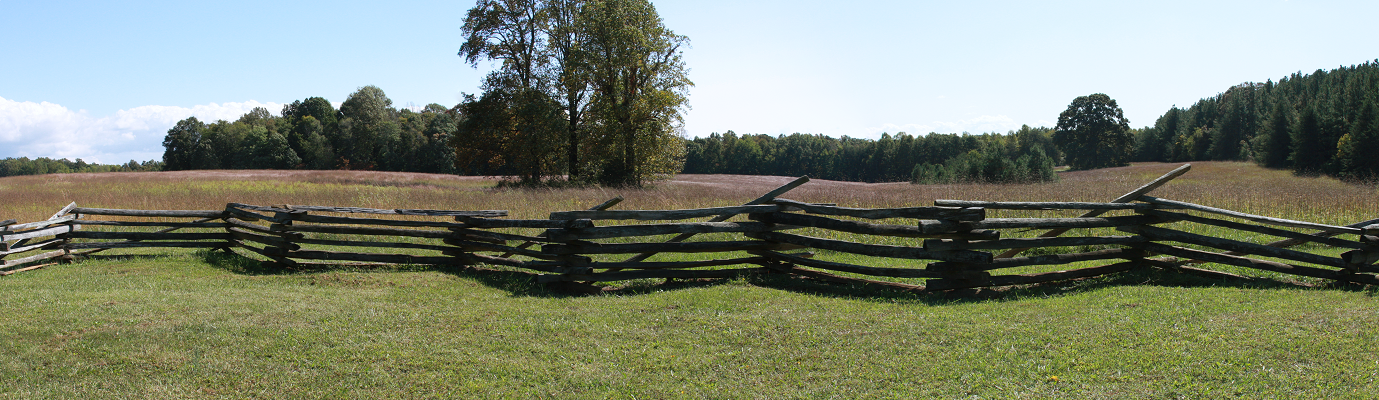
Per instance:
(29,129)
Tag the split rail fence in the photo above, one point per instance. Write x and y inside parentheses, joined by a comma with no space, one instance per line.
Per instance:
(950,244)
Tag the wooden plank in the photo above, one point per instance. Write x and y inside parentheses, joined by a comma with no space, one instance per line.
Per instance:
(1295,242)
(677,247)
(765,198)
(1047,259)
(652,274)
(266,240)
(602,206)
(1046,205)
(525,223)
(1162,234)
(258,208)
(616,231)
(179,225)
(873,249)
(417,233)
(470,246)
(35,246)
(662,215)
(236,222)
(28,268)
(1360,259)
(454,213)
(29,259)
(147,235)
(125,245)
(956,214)
(41,224)
(366,257)
(199,221)
(677,264)
(150,213)
(1327,240)
(65,209)
(948,245)
(380,245)
(8,222)
(325,219)
(856,269)
(361,210)
(495,237)
(869,228)
(1068,223)
(23,235)
(1256,218)
(1258,264)
(1126,198)
(253,216)
(544,266)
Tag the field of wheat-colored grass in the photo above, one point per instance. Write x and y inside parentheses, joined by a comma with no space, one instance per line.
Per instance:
(206,325)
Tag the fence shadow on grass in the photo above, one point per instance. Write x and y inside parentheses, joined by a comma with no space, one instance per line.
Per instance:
(523,284)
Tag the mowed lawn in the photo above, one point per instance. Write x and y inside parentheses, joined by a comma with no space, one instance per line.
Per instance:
(204,325)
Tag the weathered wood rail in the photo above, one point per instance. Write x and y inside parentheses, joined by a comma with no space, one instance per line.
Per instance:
(948,245)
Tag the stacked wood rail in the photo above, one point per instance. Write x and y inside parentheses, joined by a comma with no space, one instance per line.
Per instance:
(950,245)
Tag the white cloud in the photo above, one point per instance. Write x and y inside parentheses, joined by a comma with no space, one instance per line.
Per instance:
(29,129)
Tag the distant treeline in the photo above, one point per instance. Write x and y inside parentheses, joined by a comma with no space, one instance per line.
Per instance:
(1027,155)
(44,165)
(366,133)
(1326,122)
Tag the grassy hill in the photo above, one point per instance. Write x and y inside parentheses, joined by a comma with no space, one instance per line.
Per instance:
(204,325)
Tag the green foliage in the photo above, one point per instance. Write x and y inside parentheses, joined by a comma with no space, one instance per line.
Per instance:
(607,70)
(43,165)
(366,133)
(1093,133)
(1018,156)
(1312,124)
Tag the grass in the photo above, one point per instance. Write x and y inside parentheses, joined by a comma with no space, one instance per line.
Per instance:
(206,325)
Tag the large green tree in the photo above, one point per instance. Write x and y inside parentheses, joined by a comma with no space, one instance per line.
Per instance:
(180,145)
(640,86)
(368,123)
(607,69)
(1093,133)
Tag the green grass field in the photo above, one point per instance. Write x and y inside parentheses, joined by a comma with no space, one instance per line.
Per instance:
(207,325)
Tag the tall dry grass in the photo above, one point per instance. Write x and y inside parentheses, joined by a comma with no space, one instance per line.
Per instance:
(1238,186)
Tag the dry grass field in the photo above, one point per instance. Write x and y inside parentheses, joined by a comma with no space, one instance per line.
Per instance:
(202,325)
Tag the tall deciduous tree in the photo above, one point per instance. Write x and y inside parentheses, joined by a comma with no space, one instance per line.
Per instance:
(180,145)
(640,85)
(1093,133)
(607,69)
(368,122)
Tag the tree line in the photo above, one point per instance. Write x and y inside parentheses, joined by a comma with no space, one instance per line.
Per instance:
(1326,122)
(1026,155)
(41,166)
(366,133)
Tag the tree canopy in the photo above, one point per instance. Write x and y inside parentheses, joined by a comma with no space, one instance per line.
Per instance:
(1093,133)
(366,133)
(1318,123)
(591,89)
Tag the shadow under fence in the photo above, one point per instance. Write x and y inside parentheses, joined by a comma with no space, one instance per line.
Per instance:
(952,246)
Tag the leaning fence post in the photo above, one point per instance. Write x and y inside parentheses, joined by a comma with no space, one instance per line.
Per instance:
(766,198)
(1126,198)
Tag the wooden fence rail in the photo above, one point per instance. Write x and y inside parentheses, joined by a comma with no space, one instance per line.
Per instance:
(947,245)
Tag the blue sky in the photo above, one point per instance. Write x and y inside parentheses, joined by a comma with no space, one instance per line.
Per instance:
(104,82)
